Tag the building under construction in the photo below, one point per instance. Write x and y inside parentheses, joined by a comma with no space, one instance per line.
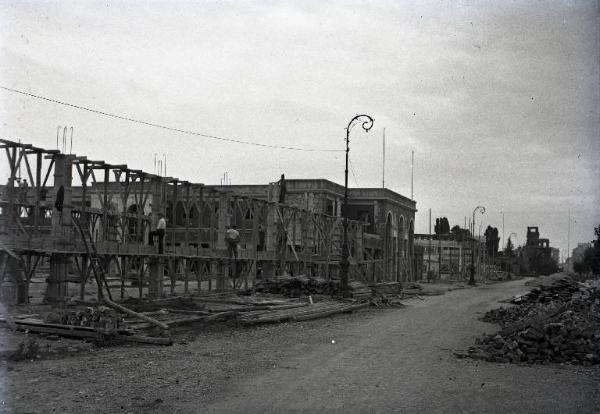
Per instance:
(81,226)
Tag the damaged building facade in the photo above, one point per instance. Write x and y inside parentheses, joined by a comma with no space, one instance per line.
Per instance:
(536,256)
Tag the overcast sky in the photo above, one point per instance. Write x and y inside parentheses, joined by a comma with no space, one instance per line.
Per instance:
(499,100)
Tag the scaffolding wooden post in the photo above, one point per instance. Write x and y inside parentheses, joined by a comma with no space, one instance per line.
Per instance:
(61,229)
(114,224)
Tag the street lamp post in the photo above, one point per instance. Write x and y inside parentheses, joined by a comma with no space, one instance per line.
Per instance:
(367,124)
(472,278)
(502,212)
(510,236)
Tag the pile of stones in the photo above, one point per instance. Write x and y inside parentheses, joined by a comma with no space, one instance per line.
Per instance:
(95,317)
(301,285)
(297,286)
(557,323)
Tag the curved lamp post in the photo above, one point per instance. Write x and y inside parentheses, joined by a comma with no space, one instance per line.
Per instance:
(472,278)
(367,124)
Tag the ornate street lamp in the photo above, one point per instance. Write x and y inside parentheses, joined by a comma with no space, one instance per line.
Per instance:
(367,124)
(472,278)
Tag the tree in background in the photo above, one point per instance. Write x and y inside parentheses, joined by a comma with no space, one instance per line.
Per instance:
(442,226)
(492,240)
(460,233)
(546,266)
(591,257)
(509,249)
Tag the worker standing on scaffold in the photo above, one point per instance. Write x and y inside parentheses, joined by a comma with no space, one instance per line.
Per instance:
(160,232)
(282,189)
(232,237)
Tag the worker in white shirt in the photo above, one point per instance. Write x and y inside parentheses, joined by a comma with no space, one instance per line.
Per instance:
(232,237)
(160,232)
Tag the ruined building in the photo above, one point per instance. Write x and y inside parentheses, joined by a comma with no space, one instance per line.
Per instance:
(536,255)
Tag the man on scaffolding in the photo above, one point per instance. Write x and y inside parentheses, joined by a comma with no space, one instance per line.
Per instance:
(160,232)
(232,238)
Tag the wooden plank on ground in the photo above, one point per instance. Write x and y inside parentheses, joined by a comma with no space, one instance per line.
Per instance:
(123,309)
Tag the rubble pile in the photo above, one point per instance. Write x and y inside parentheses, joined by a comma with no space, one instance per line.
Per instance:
(95,317)
(179,302)
(301,285)
(556,323)
(561,289)
(296,286)
(384,294)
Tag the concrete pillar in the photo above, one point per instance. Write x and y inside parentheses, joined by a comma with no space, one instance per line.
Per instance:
(155,264)
(156,269)
(271,229)
(222,271)
(223,221)
(62,230)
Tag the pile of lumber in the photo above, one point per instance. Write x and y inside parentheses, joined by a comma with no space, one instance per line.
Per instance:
(170,318)
(304,313)
(385,294)
(556,323)
(176,302)
(359,291)
(386,288)
(30,324)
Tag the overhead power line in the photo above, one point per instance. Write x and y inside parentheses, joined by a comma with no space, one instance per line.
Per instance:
(155,125)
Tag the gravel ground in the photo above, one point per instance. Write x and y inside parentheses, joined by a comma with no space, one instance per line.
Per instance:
(377,360)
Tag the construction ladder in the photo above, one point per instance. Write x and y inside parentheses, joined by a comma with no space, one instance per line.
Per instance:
(92,254)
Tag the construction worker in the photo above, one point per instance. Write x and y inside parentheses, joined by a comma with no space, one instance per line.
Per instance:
(232,237)
(282,189)
(160,232)
(23,190)
(261,238)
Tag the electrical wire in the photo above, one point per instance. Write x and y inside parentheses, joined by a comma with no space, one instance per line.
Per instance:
(155,125)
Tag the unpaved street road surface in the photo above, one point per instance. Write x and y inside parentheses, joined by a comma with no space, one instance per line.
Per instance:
(374,361)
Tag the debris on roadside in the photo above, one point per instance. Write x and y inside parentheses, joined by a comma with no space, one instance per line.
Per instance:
(288,298)
(297,286)
(314,311)
(556,323)
(416,289)
(94,317)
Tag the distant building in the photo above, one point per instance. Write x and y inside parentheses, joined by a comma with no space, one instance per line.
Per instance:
(448,256)
(555,254)
(536,255)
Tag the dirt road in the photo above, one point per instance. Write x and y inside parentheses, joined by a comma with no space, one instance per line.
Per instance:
(377,361)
